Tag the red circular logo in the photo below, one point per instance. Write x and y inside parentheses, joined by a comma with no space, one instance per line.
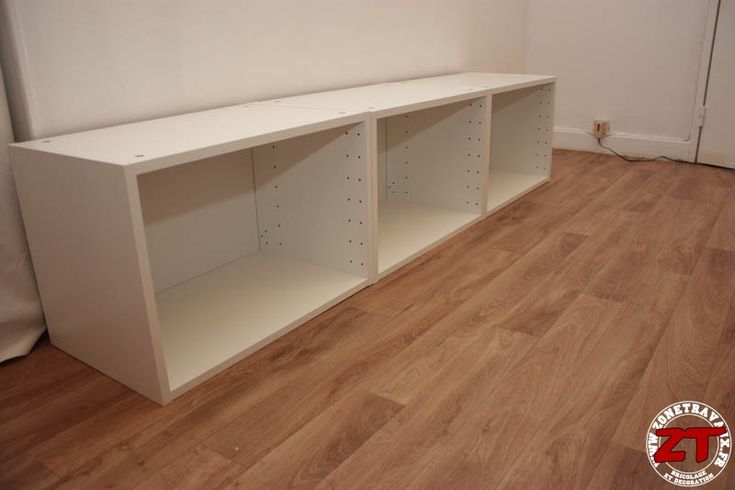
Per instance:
(688,443)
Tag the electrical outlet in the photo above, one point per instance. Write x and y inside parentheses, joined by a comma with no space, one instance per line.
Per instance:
(600,128)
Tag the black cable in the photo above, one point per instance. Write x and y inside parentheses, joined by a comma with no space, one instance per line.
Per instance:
(639,160)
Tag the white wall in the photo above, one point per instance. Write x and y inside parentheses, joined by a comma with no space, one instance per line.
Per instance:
(634,62)
(81,64)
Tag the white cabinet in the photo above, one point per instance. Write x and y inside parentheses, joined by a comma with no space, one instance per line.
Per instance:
(169,249)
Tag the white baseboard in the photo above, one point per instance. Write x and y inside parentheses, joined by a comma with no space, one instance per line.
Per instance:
(626,143)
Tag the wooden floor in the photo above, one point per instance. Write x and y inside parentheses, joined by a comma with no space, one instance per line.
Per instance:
(530,351)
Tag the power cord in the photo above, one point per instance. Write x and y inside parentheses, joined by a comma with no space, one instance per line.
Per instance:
(638,160)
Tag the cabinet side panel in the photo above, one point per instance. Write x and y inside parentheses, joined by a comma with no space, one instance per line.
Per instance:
(77,216)
(438,157)
(198,216)
(313,194)
(522,130)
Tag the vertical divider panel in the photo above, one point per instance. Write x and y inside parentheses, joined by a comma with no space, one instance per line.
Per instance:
(487,107)
(312,198)
(376,166)
(438,157)
(381,147)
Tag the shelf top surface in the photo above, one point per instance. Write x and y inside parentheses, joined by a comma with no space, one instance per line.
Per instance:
(412,94)
(195,135)
(157,143)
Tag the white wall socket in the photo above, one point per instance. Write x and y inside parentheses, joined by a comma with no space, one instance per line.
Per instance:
(600,128)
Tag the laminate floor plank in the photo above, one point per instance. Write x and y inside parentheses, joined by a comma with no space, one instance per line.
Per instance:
(24,471)
(587,220)
(419,364)
(323,443)
(561,203)
(723,232)
(409,442)
(691,340)
(720,392)
(197,469)
(626,469)
(535,313)
(180,425)
(572,384)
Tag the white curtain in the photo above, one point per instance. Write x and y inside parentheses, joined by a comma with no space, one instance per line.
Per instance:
(21,317)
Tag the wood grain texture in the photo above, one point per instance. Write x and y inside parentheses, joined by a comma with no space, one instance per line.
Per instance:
(528,351)
(198,468)
(681,365)
(323,444)
(723,233)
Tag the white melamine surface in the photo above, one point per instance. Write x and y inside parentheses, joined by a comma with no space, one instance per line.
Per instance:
(406,230)
(506,187)
(392,98)
(495,83)
(198,216)
(438,156)
(219,317)
(194,136)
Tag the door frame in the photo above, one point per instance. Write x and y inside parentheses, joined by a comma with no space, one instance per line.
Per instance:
(708,43)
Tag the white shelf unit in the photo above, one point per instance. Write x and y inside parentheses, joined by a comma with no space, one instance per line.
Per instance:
(430,188)
(167,250)
(521,136)
(163,269)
